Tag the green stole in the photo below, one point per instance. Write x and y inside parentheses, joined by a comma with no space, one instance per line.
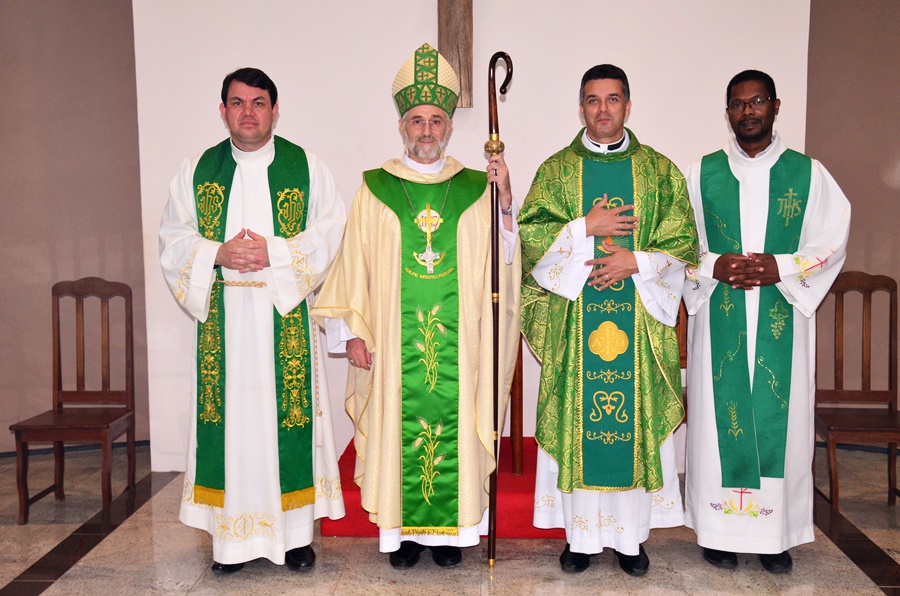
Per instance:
(429,343)
(289,171)
(609,403)
(752,421)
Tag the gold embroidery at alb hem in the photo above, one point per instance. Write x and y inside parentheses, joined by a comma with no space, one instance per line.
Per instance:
(546,500)
(244,526)
(328,488)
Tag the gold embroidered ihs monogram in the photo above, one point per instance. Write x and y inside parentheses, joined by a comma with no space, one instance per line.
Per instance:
(789,206)
(210,198)
(290,211)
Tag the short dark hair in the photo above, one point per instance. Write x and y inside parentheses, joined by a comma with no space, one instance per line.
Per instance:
(751,75)
(605,71)
(253,77)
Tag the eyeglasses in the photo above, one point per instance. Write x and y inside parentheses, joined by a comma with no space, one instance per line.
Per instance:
(420,123)
(755,104)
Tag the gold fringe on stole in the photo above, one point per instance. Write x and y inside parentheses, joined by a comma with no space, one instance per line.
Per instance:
(298,498)
(408,530)
(213,497)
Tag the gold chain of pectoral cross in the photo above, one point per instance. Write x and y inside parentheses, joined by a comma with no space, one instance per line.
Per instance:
(428,221)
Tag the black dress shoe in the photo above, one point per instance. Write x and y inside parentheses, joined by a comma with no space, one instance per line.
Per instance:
(227,567)
(446,556)
(720,558)
(780,563)
(636,565)
(300,559)
(407,555)
(574,562)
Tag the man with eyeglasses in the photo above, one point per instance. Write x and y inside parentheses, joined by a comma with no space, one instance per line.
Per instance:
(606,232)
(409,300)
(248,233)
(773,228)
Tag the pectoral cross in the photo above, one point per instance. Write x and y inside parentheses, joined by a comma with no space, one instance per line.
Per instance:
(428,221)
(742,492)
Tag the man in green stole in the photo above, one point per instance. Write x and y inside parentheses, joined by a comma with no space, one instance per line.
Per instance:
(773,229)
(606,231)
(249,231)
(409,300)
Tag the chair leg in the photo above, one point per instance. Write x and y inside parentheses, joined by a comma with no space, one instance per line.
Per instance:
(892,474)
(22,478)
(833,474)
(59,470)
(131,455)
(106,470)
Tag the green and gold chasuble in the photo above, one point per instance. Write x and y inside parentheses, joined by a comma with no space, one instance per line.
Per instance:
(289,186)
(610,389)
(428,216)
(740,408)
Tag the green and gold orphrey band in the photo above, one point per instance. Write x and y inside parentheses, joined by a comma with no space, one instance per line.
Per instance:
(743,411)
(425,88)
(289,183)
(609,424)
(429,340)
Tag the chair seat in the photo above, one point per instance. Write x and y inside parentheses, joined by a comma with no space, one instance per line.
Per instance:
(74,418)
(857,420)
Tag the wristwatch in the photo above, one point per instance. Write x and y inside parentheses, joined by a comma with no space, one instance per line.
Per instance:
(506,211)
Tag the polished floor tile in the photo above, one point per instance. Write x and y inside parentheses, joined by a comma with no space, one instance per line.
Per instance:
(139,547)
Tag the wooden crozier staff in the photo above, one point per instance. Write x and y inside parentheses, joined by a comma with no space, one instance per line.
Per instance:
(495,146)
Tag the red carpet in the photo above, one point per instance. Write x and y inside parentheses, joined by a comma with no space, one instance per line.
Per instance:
(515,499)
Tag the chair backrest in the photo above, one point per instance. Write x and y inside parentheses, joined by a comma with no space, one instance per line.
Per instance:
(79,290)
(849,282)
(681,329)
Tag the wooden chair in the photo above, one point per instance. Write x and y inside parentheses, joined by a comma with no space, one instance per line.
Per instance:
(863,415)
(82,415)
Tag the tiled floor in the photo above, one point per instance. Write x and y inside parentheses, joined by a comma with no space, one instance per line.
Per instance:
(139,547)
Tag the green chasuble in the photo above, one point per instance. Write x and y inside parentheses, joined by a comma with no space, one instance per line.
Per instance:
(428,216)
(740,407)
(289,187)
(610,388)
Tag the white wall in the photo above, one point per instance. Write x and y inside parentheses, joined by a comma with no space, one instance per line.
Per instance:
(334,64)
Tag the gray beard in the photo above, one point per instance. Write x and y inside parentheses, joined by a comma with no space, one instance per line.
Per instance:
(434,153)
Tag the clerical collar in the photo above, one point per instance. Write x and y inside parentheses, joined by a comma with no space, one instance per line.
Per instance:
(263,153)
(618,146)
(423,168)
(761,153)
